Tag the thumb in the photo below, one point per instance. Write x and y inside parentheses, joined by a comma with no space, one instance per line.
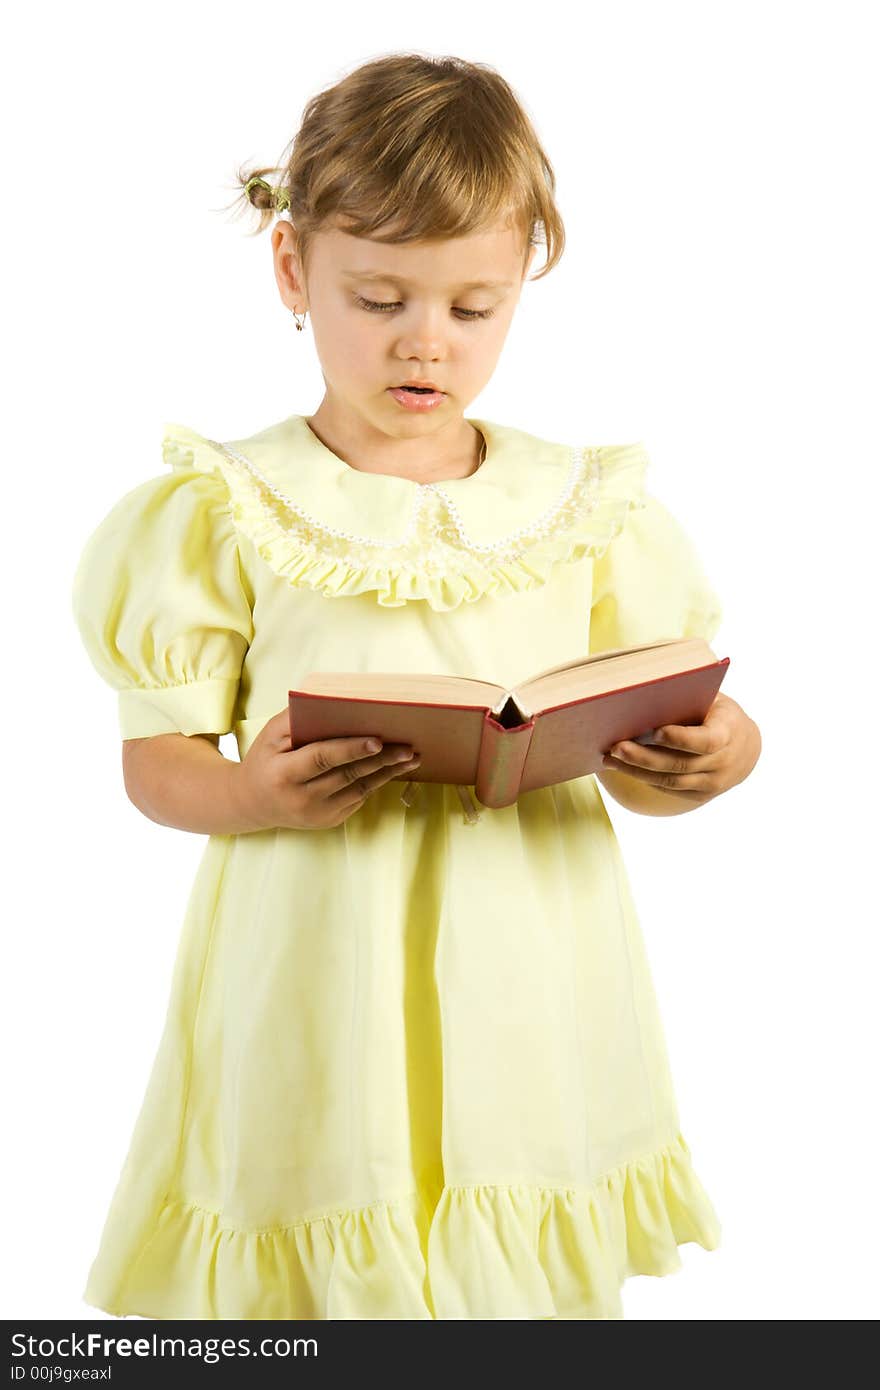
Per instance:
(277,729)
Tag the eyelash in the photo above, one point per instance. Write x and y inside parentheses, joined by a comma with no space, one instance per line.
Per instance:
(375,307)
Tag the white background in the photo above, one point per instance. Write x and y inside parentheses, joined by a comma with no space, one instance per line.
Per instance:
(718,300)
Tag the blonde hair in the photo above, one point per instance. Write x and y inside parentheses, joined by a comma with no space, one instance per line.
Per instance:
(429,147)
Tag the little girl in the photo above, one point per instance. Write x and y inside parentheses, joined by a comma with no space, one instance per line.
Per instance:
(412,1065)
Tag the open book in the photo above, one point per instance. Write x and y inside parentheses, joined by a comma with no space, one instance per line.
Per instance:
(551,728)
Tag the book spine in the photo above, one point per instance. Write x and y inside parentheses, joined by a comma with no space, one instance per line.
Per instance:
(501,761)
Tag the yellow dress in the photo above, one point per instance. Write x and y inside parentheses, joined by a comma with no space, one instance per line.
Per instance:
(412,1066)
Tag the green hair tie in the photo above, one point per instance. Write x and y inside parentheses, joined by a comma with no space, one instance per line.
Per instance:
(281,196)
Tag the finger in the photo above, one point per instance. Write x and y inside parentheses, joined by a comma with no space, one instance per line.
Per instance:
(664,778)
(358,765)
(355,790)
(330,754)
(690,738)
(662,759)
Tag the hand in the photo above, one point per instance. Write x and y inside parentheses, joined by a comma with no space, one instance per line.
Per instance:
(703,759)
(313,787)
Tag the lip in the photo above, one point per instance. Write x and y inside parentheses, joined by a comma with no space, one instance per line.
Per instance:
(415,403)
(426,384)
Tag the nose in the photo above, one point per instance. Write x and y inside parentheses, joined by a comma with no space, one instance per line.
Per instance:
(423,337)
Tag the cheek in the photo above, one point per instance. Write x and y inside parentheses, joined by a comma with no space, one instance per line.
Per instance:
(489,338)
(347,344)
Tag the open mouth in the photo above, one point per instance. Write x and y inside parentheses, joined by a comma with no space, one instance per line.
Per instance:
(420,390)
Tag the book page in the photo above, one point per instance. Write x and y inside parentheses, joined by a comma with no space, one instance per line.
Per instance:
(611,670)
(589,660)
(417,687)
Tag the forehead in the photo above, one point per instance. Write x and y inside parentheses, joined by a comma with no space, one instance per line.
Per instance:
(487,259)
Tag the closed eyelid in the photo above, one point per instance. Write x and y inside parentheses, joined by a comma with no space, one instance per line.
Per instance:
(374,306)
(375,294)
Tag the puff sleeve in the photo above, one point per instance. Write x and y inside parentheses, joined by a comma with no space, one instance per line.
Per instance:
(649,584)
(163,607)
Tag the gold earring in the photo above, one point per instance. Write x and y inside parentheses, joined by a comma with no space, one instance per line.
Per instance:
(298,324)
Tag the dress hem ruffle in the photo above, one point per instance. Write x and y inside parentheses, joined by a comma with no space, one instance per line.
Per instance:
(474,1251)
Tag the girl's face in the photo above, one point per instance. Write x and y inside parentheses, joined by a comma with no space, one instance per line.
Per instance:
(382,314)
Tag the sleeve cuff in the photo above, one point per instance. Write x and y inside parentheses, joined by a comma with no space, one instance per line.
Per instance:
(197,707)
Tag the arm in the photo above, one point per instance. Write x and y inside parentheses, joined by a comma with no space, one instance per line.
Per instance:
(184,782)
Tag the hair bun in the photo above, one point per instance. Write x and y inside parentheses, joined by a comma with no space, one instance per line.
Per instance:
(259,192)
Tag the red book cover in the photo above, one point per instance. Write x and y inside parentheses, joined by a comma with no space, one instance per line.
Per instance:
(489,739)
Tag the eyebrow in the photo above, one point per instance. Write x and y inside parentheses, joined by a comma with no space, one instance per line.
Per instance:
(398,280)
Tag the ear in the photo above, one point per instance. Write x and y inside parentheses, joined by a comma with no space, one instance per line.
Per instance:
(286,262)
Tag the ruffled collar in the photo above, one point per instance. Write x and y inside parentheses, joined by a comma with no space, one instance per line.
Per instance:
(319,522)
(520,477)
